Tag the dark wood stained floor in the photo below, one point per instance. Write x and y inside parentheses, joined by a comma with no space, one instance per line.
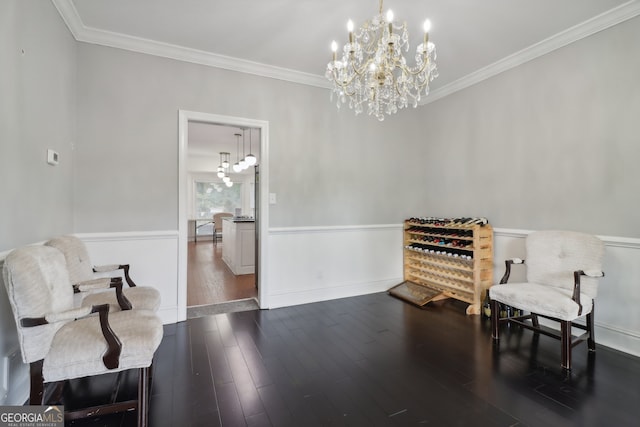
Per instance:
(376,361)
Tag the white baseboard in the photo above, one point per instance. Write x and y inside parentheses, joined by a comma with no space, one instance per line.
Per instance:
(342,290)
(308,264)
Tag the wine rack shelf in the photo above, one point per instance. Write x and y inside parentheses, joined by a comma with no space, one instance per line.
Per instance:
(452,256)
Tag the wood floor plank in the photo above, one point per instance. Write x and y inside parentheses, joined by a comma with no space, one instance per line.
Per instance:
(209,279)
(374,360)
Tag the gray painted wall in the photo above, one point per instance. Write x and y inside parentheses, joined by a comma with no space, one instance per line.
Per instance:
(37,111)
(554,143)
(327,167)
(550,144)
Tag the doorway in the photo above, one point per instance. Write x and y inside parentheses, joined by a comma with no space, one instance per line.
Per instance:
(221,193)
(201,257)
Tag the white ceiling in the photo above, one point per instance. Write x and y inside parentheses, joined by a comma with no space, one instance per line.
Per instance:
(206,141)
(290,39)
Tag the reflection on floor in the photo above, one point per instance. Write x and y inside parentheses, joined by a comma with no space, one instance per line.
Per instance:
(210,281)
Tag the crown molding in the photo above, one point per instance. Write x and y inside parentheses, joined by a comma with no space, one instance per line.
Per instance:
(598,23)
(86,34)
(91,35)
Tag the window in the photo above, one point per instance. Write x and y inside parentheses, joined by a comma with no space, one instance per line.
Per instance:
(213,197)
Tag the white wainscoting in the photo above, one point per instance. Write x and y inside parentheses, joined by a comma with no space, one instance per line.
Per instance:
(308,264)
(153,257)
(14,375)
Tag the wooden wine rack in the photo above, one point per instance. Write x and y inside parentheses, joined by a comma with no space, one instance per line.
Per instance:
(449,257)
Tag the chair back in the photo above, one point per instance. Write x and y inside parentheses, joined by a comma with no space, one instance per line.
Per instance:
(76,255)
(553,256)
(217,220)
(37,284)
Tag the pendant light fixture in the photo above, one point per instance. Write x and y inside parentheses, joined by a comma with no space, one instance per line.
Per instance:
(223,169)
(250,159)
(220,167)
(236,165)
(243,163)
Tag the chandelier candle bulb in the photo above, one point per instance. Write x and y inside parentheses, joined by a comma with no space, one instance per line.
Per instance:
(390,21)
(426,26)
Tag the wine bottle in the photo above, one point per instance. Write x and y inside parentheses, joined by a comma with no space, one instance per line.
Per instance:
(486,305)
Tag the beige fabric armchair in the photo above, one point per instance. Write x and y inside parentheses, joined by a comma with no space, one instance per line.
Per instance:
(60,341)
(82,275)
(563,268)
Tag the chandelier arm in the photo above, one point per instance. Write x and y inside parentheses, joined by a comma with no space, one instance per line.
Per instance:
(362,70)
(344,85)
(358,73)
(414,73)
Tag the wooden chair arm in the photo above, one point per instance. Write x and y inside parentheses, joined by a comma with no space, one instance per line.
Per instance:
(111,357)
(123,302)
(125,267)
(576,284)
(63,316)
(507,271)
(105,283)
(96,284)
(593,273)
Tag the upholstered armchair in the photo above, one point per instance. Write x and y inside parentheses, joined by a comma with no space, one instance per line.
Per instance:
(562,274)
(83,277)
(61,342)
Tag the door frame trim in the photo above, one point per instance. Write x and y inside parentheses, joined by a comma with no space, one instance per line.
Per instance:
(262,222)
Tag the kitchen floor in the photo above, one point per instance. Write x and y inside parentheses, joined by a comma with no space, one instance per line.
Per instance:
(210,281)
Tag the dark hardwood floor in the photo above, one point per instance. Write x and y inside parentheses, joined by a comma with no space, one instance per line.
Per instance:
(376,361)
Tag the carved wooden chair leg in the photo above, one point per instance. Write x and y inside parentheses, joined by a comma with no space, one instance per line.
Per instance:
(534,320)
(56,395)
(37,383)
(565,338)
(150,375)
(495,320)
(143,397)
(116,387)
(591,341)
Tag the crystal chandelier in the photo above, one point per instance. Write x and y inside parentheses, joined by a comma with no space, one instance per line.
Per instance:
(374,72)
